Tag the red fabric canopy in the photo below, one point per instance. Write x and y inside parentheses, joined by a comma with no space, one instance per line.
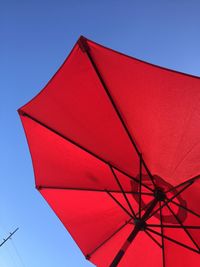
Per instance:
(107,128)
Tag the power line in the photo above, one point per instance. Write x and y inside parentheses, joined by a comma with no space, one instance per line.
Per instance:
(11,234)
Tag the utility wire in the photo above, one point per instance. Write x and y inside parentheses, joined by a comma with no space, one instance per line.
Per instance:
(18,254)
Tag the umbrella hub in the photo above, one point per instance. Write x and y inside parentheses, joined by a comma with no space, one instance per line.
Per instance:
(140,224)
(159,194)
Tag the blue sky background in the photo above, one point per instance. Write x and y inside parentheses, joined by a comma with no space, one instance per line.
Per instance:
(35,38)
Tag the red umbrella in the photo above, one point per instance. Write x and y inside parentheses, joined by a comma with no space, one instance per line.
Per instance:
(115,146)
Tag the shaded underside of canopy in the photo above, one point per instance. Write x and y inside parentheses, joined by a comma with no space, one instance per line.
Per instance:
(93,121)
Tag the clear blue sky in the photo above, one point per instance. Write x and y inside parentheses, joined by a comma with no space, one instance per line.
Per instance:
(35,38)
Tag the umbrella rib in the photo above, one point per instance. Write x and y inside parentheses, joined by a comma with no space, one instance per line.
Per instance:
(165,203)
(123,208)
(145,207)
(190,180)
(81,147)
(183,227)
(142,193)
(173,226)
(86,50)
(185,208)
(153,238)
(163,244)
(88,256)
(140,187)
(40,187)
(122,190)
(173,240)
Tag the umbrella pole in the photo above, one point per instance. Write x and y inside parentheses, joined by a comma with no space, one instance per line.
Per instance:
(140,225)
(125,246)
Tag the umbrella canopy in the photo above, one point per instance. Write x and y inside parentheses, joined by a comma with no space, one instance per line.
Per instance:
(115,146)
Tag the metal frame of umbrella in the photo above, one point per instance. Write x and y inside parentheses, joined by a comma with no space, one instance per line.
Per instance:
(160,196)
